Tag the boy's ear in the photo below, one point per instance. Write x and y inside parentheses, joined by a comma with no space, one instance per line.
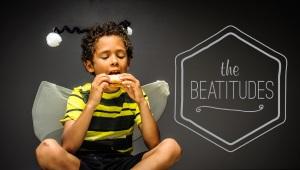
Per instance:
(89,66)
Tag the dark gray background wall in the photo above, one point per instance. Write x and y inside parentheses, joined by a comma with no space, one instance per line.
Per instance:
(162,29)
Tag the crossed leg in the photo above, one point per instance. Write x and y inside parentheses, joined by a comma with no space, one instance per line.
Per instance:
(161,157)
(51,156)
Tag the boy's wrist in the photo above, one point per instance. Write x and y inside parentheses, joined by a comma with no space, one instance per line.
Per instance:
(91,105)
(142,102)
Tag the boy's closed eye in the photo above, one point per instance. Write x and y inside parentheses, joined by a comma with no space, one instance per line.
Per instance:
(104,55)
(121,54)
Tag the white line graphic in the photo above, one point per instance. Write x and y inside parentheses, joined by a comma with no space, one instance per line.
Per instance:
(260,107)
(254,134)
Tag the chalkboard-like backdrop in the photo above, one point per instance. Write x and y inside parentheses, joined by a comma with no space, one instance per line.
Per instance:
(161,30)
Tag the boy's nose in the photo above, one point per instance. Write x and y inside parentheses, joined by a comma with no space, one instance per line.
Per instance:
(114,60)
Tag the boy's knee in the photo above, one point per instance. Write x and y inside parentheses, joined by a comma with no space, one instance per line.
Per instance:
(49,142)
(48,147)
(171,146)
(50,155)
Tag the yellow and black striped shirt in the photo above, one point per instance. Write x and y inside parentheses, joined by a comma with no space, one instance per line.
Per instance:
(112,123)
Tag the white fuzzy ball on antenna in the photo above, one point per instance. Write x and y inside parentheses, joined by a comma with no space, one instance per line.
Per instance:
(53,39)
(129,31)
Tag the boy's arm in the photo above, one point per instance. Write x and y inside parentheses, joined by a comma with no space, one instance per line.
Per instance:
(148,127)
(75,130)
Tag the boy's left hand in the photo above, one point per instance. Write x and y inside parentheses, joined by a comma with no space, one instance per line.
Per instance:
(132,86)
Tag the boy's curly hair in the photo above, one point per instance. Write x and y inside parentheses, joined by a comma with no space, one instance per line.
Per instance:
(96,32)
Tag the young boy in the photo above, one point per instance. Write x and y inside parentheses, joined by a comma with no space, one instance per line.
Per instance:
(100,116)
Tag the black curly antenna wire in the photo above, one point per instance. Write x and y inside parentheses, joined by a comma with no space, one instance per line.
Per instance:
(70,30)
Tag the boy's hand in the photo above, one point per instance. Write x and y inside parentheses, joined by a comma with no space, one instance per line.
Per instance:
(133,87)
(100,82)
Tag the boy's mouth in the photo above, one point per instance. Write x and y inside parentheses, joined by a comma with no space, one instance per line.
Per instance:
(114,72)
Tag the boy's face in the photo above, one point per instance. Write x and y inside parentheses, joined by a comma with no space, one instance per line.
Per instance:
(110,56)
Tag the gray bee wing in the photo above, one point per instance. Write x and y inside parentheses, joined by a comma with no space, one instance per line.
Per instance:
(51,100)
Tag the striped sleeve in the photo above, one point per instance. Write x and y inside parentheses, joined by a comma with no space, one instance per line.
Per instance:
(75,106)
(138,118)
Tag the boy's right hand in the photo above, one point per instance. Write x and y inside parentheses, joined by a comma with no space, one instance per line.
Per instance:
(100,82)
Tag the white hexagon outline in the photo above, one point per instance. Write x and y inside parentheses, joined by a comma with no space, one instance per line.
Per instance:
(253,131)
